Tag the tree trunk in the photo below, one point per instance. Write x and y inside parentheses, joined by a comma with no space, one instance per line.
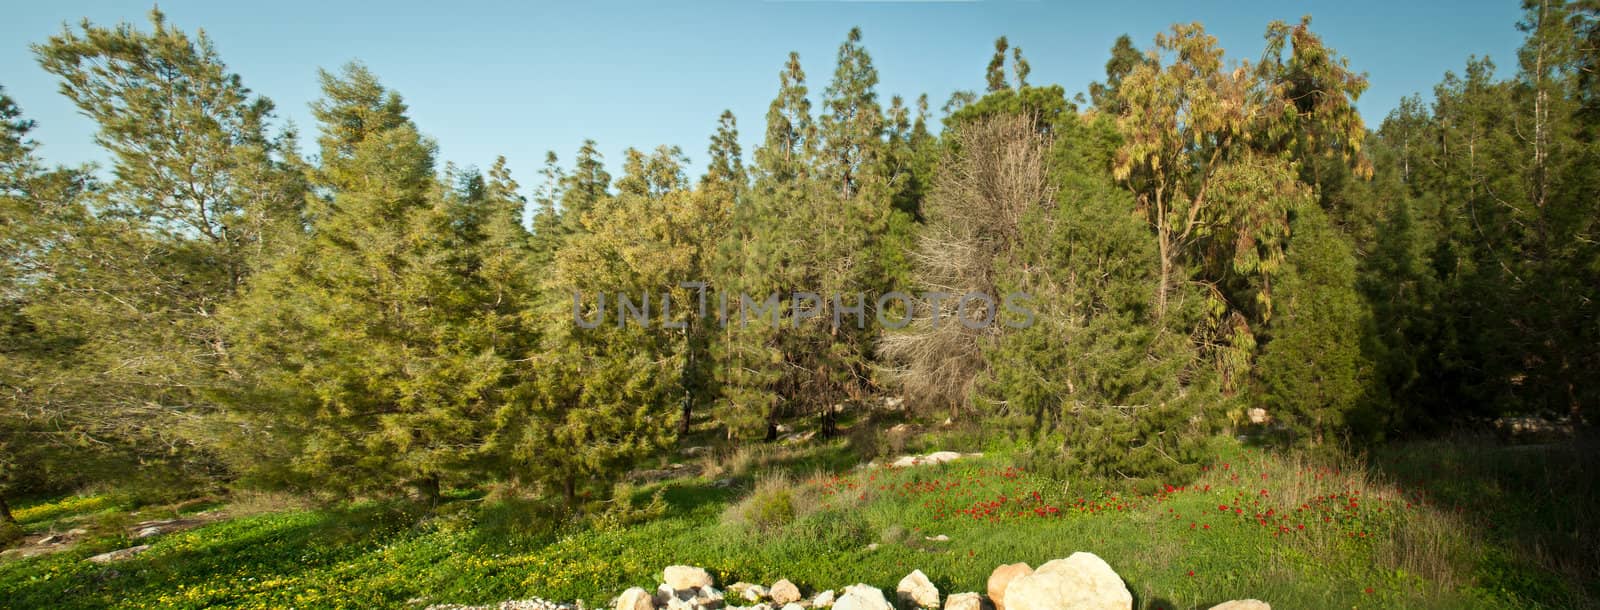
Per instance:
(1164,242)
(688,410)
(686,379)
(569,493)
(429,489)
(5,511)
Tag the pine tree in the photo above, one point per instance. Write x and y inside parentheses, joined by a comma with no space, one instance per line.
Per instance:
(372,347)
(762,254)
(1100,384)
(548,228)
(1314,369)
(605,393)
(200,195)
(584,188)
(44,419)
(726,169)
(1124,58)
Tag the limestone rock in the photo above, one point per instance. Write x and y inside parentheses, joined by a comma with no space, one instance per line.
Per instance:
(784,592)
(708,597)
(683,578)
(862,597)
(663,595)
(120,554)
(963,601)
(1082,581)
(754,593)
(823,599)
(1242,604)
(917,590)
(1002,577)
(635,599)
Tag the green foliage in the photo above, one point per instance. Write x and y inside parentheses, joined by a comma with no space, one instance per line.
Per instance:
(377,347)
(112,289)
(1314,370)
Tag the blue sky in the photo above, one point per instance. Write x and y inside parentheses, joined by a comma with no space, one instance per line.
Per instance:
(520,78)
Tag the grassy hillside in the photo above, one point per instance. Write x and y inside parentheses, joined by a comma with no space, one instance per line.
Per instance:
(1427,526)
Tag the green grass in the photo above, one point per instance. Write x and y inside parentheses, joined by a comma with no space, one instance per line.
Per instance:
(1427,555)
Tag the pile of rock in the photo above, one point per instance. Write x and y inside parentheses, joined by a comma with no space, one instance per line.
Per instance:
(521,604)
(1082,581)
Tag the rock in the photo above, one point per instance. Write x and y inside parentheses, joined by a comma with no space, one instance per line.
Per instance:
(963,601)
(1001,577)
(904,462)
(635,599)
(872,547)
(941,457)
(120,554)
(754,593)
(663,595)
(862,597)
(939,538)
(793,606)
(1242,604)
(680,604)
(682,578)
(1258,415)
(53,539)
(708,596)
(784,592)
(935,458)
(784,429)
(916,589)
(1082,581)
(799,437)
(823,599)
(894,402)
(722,483)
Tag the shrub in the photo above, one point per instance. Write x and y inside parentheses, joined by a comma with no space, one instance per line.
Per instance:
(9,533)
(776,502)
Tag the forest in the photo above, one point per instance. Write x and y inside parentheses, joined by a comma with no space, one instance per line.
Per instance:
(1219,254)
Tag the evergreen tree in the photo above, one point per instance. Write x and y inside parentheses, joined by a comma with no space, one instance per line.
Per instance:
(1315,370)
(726,169)
(1124,58)
(371,347)
(605,386)
(763,254)
(135,273)
(584,188)
(45,422)
(1106,387)
(547,225)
